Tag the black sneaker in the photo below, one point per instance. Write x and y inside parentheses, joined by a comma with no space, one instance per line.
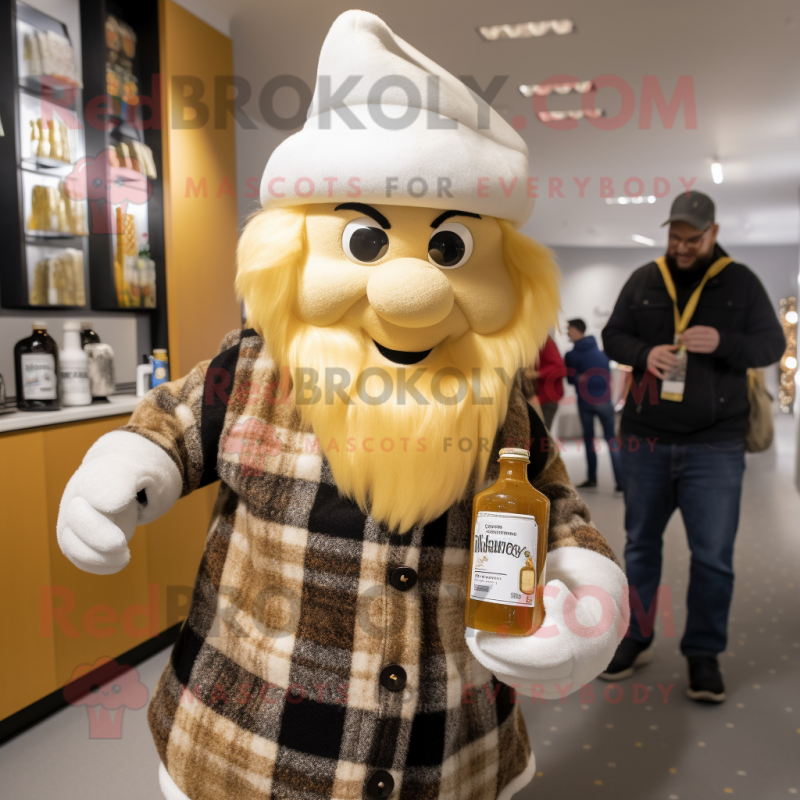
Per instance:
(587,485)
(630,654)
(705,680)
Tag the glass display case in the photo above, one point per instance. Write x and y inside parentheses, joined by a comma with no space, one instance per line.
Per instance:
(81,144)
(44,222)
(124,148)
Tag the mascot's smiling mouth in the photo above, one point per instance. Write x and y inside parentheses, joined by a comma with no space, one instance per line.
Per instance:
(401,356)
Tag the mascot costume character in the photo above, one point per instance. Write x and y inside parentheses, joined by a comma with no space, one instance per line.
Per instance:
(391,302)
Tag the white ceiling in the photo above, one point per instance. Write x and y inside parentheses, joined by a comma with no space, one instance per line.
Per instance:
(744,59)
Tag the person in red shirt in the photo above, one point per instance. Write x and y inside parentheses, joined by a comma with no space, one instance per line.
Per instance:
(550,380)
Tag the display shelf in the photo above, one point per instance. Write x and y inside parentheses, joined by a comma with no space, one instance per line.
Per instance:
(127,263)
(41,205)
(22,420)
(45,166)
(55,91)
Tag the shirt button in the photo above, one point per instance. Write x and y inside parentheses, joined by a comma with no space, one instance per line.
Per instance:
(393,678)
(722,399)
(380,784)
(645,302)
(403,579)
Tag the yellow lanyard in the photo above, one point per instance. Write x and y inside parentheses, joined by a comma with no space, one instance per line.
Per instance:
(682,320)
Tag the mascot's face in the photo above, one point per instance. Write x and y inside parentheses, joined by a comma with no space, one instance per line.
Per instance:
(402,328)
(409,278)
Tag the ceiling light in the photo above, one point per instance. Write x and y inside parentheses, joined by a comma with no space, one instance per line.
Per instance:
(526,30)
(544,89)
(643,240)
(558,116)
(716,171)
(624,199)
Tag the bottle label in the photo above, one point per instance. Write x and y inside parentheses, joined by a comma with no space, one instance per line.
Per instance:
(74,380)
(39,376)
(504,558)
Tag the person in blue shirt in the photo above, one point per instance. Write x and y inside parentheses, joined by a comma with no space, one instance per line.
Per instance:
(588,369)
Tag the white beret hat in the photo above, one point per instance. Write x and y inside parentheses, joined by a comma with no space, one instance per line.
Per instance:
(387,125)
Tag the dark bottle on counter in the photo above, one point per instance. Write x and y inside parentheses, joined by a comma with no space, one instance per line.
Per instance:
(36,371)
(88,336)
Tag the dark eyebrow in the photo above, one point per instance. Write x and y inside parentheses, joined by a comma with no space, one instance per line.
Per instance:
(447,214)
(368,210)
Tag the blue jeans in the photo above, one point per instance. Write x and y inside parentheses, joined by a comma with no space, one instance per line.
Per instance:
(705,482)
(605,413)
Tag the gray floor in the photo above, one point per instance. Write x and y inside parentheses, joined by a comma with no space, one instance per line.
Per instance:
(638,748)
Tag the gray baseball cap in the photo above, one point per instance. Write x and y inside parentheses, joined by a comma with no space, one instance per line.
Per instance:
(693,207)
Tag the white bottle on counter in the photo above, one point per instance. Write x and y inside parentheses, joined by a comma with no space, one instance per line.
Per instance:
(76,390)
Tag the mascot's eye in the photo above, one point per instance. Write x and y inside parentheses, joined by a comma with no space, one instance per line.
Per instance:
(364,241)
(450,246)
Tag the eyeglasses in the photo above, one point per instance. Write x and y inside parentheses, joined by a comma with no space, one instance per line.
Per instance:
(693,242)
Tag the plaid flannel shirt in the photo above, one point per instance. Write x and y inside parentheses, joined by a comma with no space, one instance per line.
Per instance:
(277,685)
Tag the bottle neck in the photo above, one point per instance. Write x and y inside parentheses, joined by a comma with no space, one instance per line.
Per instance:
(513,469)
(72,340)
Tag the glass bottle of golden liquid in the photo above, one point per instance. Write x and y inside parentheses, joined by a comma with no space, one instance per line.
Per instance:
(510,523)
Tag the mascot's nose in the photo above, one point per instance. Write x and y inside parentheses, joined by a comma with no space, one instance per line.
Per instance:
(410,292)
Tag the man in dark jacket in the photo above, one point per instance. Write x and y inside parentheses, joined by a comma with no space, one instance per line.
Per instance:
(690,325)
(588,369)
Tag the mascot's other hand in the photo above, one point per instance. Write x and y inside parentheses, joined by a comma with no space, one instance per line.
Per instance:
(586,615)
(124,480)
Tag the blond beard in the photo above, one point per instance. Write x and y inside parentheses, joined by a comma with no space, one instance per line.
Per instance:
(404,459)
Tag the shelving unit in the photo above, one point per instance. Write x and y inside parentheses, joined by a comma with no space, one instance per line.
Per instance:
(115,125)
(41,223)
(79,226)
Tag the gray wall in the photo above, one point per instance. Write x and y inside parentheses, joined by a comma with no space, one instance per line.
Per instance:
(592,279)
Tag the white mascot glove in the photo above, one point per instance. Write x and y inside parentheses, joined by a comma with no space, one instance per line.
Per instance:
(586,616)
(100,510)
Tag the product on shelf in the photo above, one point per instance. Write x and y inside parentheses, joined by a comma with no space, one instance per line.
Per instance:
(40,286)
(144,156)
(46,53)
(119,259)
(76,389)
(58,280)
(146,268)
(101,362)
(54,211)
(134,275)
(36,371)
(44,209)
(75,212)
(88,335)
(121,83)
(101,369)
(50,139)
(133,155)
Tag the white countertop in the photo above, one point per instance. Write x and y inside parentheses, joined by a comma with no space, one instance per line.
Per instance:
(19,420)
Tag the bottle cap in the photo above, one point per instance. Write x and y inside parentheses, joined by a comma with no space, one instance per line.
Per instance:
(39,324)
(72,325)
(515,452)
(160,354)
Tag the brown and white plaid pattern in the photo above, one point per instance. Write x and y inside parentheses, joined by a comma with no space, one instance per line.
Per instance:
(272,690)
